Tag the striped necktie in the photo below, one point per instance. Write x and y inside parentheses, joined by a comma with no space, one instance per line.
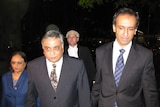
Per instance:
(119,69)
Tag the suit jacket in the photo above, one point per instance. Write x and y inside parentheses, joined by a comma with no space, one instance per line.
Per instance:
(85,54)
(14,96)
(72,90)
(137,87)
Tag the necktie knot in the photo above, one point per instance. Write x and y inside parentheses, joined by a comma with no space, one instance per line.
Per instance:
(122,51)
(54,66)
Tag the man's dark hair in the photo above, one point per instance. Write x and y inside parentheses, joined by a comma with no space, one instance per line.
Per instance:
(126,11)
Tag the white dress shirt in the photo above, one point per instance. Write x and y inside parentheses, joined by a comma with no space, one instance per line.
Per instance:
(73,51)
(58,67)
(116,53)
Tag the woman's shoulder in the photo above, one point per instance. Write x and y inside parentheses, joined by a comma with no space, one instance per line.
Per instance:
(8,73)
(6,76)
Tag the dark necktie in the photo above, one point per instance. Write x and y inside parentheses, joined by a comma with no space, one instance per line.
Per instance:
(119,69)
(53,78)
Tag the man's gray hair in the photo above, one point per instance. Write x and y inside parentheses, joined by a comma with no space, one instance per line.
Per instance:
(53,34)
(72,32)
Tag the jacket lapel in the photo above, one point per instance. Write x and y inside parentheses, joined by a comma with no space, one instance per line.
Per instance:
(130,61)
(45,76)
(63,75)
(108,59)
(21,83)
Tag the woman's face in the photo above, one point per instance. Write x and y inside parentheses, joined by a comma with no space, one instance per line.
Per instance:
(17,63)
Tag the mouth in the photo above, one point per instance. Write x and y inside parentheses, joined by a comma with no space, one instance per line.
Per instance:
(124,39)
(16,69)
(53,57)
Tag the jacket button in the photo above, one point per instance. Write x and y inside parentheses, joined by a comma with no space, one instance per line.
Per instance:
(15,88)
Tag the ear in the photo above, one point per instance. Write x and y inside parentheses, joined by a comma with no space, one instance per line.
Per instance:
(135,31)
(63,49)
(77,39)
(114,28)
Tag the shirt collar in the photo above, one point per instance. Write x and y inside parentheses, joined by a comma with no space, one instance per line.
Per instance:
(73,47)
(57,63)
(127,47)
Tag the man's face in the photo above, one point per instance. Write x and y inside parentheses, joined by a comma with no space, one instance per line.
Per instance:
(72,39)
(125,29)
(52,49)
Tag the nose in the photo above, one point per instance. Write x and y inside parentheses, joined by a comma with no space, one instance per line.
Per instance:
(52,51)
(126,32)
(16,64)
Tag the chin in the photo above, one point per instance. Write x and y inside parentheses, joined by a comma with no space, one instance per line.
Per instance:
(51,60)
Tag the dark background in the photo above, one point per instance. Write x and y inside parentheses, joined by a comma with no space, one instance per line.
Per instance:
(23,23)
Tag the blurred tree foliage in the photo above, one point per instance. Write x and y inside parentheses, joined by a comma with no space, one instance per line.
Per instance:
(152,4)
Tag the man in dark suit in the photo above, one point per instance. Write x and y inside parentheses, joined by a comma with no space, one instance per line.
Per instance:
(137,85)
(73,49)
(71,88)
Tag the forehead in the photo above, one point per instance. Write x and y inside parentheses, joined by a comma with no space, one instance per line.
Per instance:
(126,19)
(17,57)
(72,34)
(52,41)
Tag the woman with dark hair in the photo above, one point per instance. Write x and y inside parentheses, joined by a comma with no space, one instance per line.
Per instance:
(15,82)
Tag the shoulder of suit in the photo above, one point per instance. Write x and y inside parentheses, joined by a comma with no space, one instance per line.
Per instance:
(140,47)
(71,61)
(39,59)
(71,58)
(84,48)
(105,46)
